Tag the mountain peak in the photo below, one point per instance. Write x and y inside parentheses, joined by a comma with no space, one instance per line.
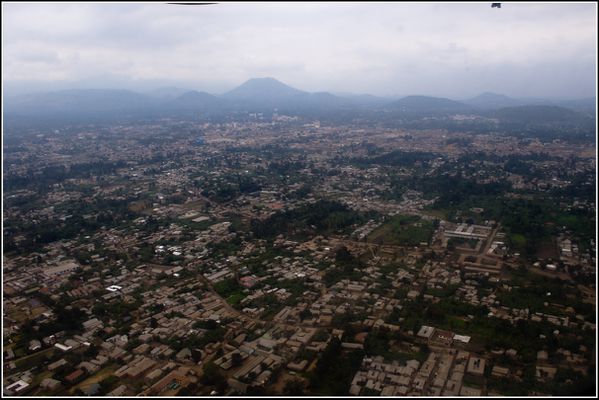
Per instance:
(194,94)
(194,100)
(489,100)
(262,88)
(266,79)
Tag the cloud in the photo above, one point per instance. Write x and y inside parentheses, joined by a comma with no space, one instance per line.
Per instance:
(452,50)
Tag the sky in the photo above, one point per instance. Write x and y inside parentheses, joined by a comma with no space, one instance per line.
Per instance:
(388,49)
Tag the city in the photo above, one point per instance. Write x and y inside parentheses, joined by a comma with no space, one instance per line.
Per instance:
(291,199)
(230,258)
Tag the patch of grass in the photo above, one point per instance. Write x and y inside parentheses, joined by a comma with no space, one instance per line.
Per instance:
(441,214)
(235,299)
(403,230)
(445,292)
(517,241)
(227,287)
(40,377)
(34,359)
(96,378)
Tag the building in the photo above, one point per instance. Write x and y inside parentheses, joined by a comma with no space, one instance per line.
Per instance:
(442,337)
(16,388)
(74,376)
(461,339)
(426,332)
(64,268)
(476,366)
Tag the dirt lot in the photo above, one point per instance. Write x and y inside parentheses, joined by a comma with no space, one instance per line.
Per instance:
(284,376)
(547,250)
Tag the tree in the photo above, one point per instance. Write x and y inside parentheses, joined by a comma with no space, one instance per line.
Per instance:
(91,352)
(335,369)
(294,387)
(189,390)
(344,256)
(213,377)
(236,360)
(108,384)
(305,313)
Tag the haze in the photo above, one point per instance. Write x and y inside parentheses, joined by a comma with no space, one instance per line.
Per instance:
(387,49)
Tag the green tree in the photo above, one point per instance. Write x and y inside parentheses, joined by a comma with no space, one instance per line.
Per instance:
(294,387)
(236,360)
(213,377)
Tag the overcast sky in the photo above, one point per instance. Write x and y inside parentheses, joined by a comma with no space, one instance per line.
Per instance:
(450,50)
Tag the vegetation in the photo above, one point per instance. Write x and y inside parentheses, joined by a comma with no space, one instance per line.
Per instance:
(348,267)
(212,377)
(294,387)
(334,370)
(230,290)
(403,230)
(69,320)
(321,217)
(397,158)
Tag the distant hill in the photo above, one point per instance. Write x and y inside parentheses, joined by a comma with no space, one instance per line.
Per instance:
(426,104)
(80,102)
(540,115)
(585,102)
(587,106)
(195,99)
(261,89)
(269,93)
(493,100)
(193,102)
(169,92)
(326,100)
(544,122)
(364,100)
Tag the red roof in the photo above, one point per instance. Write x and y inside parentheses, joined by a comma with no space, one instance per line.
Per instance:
(74,375)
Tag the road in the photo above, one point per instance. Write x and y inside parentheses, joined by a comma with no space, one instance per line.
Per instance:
(487,245)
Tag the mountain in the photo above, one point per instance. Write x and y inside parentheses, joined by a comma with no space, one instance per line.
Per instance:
(193,102)
(364,100)
(326,100)
(426,104)
(167,92)
(269,93)
(493,101)
(548,122)
(263,89)
(196,99)
(587,106)
(489,100)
